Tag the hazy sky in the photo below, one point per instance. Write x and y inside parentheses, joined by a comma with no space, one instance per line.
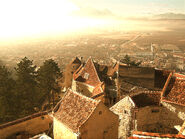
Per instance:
(31,17)
(135,7)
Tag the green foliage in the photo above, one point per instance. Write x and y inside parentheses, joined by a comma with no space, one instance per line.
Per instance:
(7,85)
(47,75)
(26,86)
(20,97)
(128,61)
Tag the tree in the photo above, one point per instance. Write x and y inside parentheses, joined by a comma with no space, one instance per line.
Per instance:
(7,85)
(47,75)
(127,61)
(26,86)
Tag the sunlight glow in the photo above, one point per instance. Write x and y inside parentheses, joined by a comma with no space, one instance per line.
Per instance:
(29,17)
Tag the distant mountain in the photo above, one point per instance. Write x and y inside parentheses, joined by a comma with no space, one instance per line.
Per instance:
(169,16)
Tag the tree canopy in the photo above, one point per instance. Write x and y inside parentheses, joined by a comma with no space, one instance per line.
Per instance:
(47,75)
(31,88)
(26,85)
(7,85)
(129,62)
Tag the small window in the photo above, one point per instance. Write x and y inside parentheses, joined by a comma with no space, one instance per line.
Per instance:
(155,110)
(86,75)
(100,112)
(105,132)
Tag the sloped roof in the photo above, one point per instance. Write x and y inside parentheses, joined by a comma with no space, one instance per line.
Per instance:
(75,60)
(90,72)
(118,108)
(174,89)
(74,109)
(98,89)
(146,99)
(148,135)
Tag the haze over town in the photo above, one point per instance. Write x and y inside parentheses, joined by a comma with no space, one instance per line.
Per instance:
(63,61)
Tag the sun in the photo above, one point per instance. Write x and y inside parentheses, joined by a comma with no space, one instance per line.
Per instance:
(30,17)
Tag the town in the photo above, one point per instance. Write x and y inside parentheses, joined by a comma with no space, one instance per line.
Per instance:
(100,101)
(101,69)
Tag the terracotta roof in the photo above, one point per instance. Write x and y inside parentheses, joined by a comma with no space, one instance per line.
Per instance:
(174,90)
(98,89)
(149,135)
(146,99)
(74,109)
(75,60)
(87,74)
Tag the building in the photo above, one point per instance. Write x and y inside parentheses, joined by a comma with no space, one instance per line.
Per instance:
(69,70)
(132,112)
(79,117)
(144,112)
(96,81)
(173,97)
(26,127)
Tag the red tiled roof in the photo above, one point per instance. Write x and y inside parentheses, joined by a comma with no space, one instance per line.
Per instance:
(146,99)
(149,135)
(98,89)
(74,109)
(76,60)
(174,90)
(89,70)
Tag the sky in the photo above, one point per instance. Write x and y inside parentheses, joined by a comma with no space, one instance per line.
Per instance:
(135,7)
(19,18)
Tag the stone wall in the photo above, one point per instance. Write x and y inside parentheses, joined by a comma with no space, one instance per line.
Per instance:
(31,126)
(60,131)
(82,88)
(141,76)
(103,124)
(158,119)
(68,76)
(124,109)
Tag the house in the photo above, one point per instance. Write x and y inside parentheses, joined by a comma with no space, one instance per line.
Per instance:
(132,112)
(26,127)
(79,117)
(174,90)
(144,112)
(96,81)
(173,96)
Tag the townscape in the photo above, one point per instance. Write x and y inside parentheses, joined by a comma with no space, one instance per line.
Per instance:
(117,101)
(101,69)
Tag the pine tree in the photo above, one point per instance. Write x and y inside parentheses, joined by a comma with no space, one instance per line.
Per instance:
(26,86)
(47,75)
(7,85)
(129,62)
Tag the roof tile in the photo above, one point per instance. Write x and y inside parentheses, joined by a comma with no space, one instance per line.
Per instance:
(74,109)
(175,91)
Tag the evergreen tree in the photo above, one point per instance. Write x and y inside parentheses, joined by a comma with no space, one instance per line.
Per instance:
(47,75)
(7,85)
(129,62)
(26,86)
